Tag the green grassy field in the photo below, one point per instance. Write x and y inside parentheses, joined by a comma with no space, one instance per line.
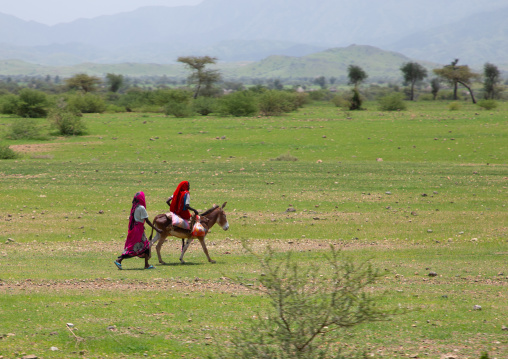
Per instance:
(415,191)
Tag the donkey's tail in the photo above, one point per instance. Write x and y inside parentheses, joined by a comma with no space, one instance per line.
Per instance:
(151,234)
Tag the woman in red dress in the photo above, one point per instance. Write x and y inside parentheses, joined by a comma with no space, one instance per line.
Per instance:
(179,202)
(136,244)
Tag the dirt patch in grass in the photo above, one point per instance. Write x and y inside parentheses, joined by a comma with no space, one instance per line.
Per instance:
(170,249)
(106,284)
(17,175)
(34,148)
(217,247)
(47,147)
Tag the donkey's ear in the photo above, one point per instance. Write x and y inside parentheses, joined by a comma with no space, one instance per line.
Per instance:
(224,205)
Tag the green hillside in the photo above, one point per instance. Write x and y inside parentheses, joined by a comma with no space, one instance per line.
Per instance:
(379,64)
(17,67)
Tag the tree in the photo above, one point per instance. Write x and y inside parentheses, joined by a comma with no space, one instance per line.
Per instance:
(83,82)
(455,75)
(201,76)
(356,75)
(435,86)
(275,84)
(492,78)
(412,73)
(114,82)
(320,81)
(356,101)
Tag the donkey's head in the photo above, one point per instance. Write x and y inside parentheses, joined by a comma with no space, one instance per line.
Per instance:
(222,219)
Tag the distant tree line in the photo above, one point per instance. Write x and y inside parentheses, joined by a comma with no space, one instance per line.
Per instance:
(205,92)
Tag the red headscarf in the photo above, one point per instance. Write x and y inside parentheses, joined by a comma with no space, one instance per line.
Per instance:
(139,199)
(177,201)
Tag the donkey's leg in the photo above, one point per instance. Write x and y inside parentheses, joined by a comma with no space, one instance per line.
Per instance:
(159,246)
(203,245)
(184,249)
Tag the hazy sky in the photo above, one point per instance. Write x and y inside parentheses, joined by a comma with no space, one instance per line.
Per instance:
(51,12)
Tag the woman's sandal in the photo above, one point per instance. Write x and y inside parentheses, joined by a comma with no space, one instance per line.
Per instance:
(119,265)
(150,267)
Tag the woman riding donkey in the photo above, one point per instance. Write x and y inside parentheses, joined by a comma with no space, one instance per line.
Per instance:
(136,244)
(179,202)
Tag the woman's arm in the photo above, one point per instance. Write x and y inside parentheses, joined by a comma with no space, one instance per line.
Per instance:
(192,209)
(151,225)
(186,204)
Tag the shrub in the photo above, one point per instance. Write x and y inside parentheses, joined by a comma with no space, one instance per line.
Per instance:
(204,105)
(454,106)
(301,98)
(487,104)
(67,121)
(174,102)
(341,100)
(426,97)
(286,157)
(6,153)
(178,109)
(147,108)
(349,101)
(374,92)
(320,95)
(309,307)
(9,104)
(165,97)
(445,95)
(243,103)
(274,102)
(115,109)
(25,128)
(32,104)
(135,98)
(392,102)
(87,103)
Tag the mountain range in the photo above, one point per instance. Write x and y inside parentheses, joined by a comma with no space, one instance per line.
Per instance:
(381,65)
(253,30)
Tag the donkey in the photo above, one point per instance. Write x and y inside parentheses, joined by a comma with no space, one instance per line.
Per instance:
(208,218)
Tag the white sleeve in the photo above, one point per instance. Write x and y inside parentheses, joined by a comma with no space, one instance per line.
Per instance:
(140,214)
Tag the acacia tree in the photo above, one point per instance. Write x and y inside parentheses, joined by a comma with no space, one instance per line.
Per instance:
(83,82)
(356,76)
(201,76)
(413,72)
(492,78)
(455,74)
